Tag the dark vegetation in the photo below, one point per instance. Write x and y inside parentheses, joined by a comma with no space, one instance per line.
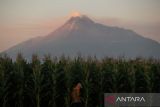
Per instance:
(48,83)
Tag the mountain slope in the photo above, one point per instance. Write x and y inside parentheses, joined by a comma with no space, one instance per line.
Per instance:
(81,34)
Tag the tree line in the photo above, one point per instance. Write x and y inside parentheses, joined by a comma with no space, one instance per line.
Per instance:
(48,82)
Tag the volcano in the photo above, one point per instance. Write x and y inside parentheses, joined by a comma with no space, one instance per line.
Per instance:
(82,35)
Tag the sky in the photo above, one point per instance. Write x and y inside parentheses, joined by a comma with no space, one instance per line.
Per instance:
(21,20)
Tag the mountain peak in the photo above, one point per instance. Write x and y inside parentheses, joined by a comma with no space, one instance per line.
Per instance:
(80,19)
(77,21)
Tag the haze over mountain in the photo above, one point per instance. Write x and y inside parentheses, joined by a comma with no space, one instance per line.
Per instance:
(82,35)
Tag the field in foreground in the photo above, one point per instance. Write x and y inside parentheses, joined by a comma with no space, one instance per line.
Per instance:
(48,83)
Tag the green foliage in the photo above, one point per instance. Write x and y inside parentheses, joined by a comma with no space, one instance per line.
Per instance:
(49,82)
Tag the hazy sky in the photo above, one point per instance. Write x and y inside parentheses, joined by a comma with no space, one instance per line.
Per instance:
(24,19)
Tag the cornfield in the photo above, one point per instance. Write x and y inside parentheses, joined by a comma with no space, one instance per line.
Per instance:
(48,82)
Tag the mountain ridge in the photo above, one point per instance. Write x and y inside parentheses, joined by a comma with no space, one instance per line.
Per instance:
(81,34)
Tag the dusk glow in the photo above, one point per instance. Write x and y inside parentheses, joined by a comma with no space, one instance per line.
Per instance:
(75,14)
(24,19)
